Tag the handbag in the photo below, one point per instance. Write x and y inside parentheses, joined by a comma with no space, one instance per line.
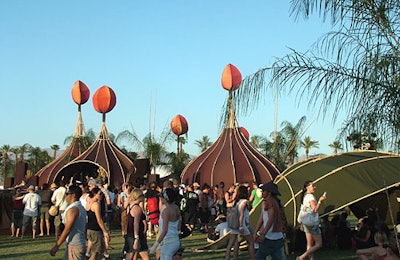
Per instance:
(307,218)
(53,210)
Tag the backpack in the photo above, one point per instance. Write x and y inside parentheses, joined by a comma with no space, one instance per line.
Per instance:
(233,217)
(153,211)
(183,204)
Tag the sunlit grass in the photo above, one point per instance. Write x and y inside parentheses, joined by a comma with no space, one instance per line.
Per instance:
(27,249)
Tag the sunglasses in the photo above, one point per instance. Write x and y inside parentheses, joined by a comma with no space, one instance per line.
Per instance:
(311,185)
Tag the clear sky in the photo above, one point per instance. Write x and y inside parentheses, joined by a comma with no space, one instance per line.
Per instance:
(166,57)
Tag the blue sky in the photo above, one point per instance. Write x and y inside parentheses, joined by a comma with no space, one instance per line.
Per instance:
(166,57)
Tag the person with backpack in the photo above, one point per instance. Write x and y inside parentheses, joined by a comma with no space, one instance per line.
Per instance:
(152,206)
(242,206)
(190,208)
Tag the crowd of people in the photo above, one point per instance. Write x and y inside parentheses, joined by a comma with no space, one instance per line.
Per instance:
(86,211)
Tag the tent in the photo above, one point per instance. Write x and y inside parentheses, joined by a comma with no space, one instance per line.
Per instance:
(359,180)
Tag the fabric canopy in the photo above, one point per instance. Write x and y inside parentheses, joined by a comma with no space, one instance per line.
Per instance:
(358,180)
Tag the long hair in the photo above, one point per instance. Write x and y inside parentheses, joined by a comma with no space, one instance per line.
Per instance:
(242,193)
(304,190)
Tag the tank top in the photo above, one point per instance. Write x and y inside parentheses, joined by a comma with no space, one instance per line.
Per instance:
(92,221)
(77,235)
(173,231)
(130,223)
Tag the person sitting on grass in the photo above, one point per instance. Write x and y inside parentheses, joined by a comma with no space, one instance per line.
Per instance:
(379,251)
(220,230)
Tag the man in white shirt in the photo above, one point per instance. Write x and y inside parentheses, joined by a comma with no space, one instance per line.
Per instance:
(58,199)
(32,203)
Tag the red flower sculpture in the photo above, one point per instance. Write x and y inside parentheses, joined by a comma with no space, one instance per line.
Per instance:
(231,77)
(80,92)
(104,99)
(179,125)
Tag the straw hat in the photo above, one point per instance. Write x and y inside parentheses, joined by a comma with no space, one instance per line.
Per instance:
(53,186)
(196,184)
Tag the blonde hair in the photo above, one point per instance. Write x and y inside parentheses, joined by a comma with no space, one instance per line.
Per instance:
(136,194)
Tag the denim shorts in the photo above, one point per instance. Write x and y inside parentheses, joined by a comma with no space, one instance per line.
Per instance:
(314,230)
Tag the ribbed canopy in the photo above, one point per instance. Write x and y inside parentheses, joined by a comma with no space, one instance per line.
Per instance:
(102,156)
(230,159)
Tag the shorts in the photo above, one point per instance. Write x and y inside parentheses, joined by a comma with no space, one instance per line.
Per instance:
(44,213)
(76,252)
(204,216)
(190,218)
(26,219)
(129,244)
(16,218)
(314,230)
(97,239)
(58,219)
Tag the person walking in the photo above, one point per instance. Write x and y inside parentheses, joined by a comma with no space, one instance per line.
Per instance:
(32,202)
(313,233)
(244,226)
(58,199)
(135,239)
(97,234)
(74,232)
(269,229)
(170,226)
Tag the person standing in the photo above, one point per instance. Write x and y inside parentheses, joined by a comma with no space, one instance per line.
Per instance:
(244,226)
(58,199)
(152,206)
(17,213)
(170,226)
(74,232)
(190,211)
(256,195)
(135,239)
(313,233)
(45,194)
(32,203)
(269,229)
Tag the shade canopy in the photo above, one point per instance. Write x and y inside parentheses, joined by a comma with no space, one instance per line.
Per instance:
(230,159)
(358,180)
(102,155)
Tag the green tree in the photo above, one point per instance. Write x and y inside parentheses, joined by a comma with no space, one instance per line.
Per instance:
(307,143)
(255,141)
(55,148)
(176,163)
(203,143)
(352,69)
(292,135)
(5,162)
(23,149)
(84,141)
(38,158)
(336,146)
(153,149)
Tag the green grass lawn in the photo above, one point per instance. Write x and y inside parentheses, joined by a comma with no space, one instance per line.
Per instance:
(28,249)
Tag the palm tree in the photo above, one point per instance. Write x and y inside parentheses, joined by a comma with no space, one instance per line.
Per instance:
(255,141)
(203,143)
(337,146)
(23,149)
(55,148)
(5,149)
(292,135)
(355,67)
(176,163)
(83,141)
(307,143)
(153,149)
